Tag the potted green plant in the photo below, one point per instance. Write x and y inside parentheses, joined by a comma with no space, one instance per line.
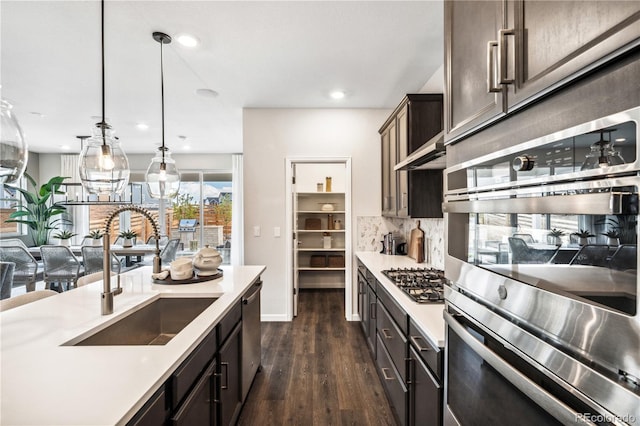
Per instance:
(556,234)
(583,236)
(39,212)
(64,237)
(127,237)
(96,237)
(613,237)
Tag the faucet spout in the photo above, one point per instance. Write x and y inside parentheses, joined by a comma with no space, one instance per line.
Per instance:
(108,294)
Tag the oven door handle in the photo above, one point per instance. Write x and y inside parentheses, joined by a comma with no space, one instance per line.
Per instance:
(540,396)
(594,203)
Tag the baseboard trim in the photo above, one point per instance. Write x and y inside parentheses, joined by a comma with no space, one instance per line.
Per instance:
(274,318)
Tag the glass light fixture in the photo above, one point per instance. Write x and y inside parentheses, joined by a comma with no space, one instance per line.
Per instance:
(13,147)
(163,178)
(602,154)
(103,165)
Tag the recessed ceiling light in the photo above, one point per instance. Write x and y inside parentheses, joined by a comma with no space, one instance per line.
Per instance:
(186,147)
(65,147)
(621,140)
(337,94)
(187,40)
(207,93)
(37,114)
(142,126)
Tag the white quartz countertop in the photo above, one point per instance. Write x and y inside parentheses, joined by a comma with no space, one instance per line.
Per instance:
(428,317)
(45,382)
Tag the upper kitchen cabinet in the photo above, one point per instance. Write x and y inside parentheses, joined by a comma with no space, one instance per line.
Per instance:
(413,193)
(503,55)
(472,95)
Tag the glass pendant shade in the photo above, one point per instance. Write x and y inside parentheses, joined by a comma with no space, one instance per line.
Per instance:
(103,165)
(13,148)
(163,178)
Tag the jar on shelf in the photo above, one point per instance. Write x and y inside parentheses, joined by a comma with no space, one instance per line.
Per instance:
(328,183)
(330,221)
(326,240)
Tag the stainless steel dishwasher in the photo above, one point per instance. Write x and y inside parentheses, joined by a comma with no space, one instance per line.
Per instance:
(251,346)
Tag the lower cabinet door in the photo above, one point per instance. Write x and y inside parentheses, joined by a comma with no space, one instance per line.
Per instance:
(229,376)
(425,407)
(392,383)
(198,407)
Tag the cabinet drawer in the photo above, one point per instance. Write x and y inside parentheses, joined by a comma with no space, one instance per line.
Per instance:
(229,322)
(187,374)
(425,405)
(395,311)
(428,353)
(197,408)
(392,383)
(394,341)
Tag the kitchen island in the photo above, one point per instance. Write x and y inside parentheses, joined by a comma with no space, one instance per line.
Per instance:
(47,381)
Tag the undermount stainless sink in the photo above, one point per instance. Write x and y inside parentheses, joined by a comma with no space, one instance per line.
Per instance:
(154,324)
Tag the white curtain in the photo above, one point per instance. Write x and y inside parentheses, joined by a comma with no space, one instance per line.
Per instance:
(237,214)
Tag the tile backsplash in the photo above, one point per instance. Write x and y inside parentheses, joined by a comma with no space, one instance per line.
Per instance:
(371,229)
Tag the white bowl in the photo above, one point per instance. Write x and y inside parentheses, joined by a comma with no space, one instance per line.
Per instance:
(181,268)
(184,275)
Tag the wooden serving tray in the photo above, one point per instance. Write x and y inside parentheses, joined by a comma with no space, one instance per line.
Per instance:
(194,279)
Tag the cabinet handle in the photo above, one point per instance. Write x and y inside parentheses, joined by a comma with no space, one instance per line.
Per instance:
(385,332)
(415,339)
(405,204)
(502,56)
(385,375)
(226,375)
(372,310)
(491,88)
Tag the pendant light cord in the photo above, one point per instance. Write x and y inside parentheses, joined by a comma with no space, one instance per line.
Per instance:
(103,124)
(162,95)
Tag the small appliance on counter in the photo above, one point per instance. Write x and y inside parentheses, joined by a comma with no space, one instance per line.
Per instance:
(393,245)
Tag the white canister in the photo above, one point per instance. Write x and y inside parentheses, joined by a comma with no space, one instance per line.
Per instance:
(326,242)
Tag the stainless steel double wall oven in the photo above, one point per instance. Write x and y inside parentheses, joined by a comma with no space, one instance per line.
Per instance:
(542,310)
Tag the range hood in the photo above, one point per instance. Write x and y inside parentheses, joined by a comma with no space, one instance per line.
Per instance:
(428,156)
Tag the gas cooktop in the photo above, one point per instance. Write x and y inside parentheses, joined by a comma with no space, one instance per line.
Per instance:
(423,285)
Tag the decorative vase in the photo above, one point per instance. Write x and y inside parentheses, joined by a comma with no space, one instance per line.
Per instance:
(65,242)
(558,241)
(127,242)
(583,241)
(612,241)
(97,242)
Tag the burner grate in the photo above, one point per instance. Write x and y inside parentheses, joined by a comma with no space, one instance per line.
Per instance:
(423,285)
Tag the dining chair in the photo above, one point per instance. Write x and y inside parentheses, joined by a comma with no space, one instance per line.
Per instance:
(592,254)
(13,242)
(522,253)
(625,258)
(164,240)
(93,260)
(26,266)
(527,238)
(168,253)
(23,299)
(61,266)
(6,279)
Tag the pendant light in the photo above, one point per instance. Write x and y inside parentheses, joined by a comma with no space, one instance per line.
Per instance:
(602,153)
(163,178)
(13,148)
(103,165)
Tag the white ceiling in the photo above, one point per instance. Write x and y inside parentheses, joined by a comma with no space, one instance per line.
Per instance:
(265,54)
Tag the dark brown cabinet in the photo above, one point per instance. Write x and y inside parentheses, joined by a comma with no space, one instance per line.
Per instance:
(415,193)
(501,56)
(229,375)
(206,388)
(409,366)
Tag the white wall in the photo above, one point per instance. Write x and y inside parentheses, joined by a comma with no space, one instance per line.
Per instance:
(272,135)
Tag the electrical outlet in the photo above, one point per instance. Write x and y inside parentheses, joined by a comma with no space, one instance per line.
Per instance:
(256,231)
(276,231)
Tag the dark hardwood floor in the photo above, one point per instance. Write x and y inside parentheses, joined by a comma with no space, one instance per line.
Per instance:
(316,370)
